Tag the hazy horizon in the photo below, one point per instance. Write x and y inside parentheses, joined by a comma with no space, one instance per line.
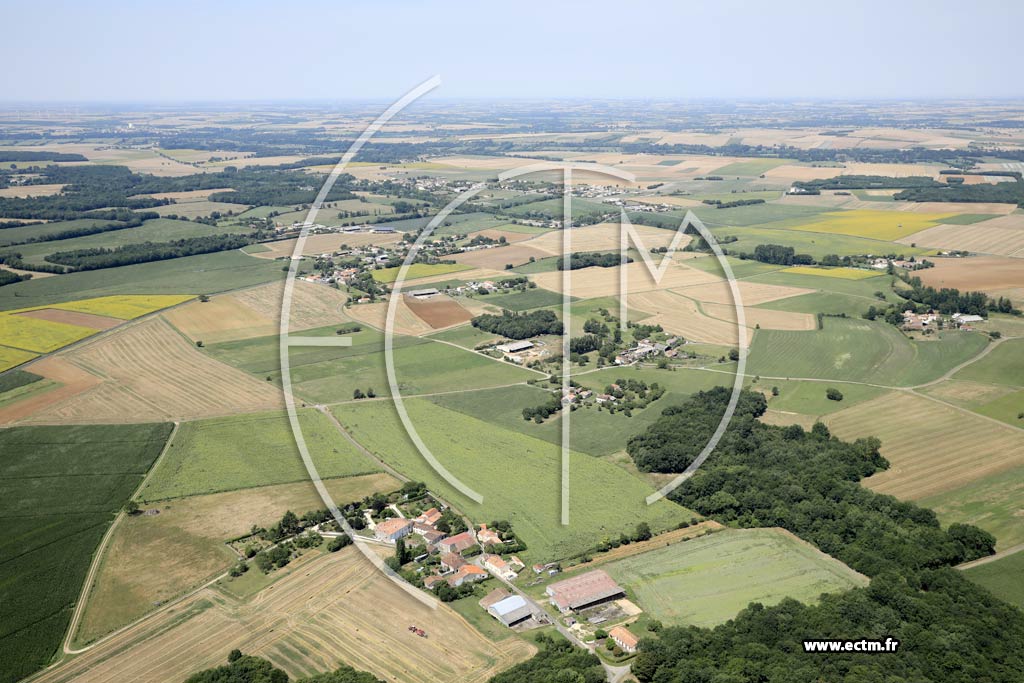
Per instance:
(260,52)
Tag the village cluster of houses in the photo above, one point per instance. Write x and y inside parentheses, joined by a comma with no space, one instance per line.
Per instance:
(933,320)
(455,569)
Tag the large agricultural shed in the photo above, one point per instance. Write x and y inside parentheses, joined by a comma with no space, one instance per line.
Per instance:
(583,591)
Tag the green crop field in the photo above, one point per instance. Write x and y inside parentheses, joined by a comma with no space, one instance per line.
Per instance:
(1008,409)
(517,475)
(592,431)
(1002,577)
(544,265)
(808,398)
(523,301)
(707,580)
(860,350)
(741,268)
(42,230)
(552,208)
(832,303)
(754,167)
(156,230)
(992,503)
(59,490)
(420,368)
(752,214)
(244,451)
(1004,365)
(418,270)
(465,336)
(201,274)
(816,244)
(862,288)
(968,218)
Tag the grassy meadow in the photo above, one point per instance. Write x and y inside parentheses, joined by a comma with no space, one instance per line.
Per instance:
(517,475)
(705,581)
(244,451)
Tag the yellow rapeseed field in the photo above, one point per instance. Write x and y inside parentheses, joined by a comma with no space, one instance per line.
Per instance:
(842,273)
(879,225)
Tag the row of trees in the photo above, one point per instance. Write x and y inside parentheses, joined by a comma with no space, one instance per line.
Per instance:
(249,669)
(101,257)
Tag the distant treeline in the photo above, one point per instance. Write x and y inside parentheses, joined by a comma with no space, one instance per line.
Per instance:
(913,155)
(96,258)
(519,325)
(12,155)
(588,259)
(864,182)
(1007,193)
(719,204)
(126,219)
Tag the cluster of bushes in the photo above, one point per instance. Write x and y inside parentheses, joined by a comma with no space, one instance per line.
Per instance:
(519,325)
(543,411)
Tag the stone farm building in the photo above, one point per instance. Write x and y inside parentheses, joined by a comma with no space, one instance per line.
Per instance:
(624,638)
(583,591)
(392,529)
(457,543)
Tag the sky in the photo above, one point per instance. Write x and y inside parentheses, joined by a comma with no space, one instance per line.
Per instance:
(188,51)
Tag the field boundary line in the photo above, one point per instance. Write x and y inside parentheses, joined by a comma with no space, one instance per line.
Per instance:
(970,361)
(97,558)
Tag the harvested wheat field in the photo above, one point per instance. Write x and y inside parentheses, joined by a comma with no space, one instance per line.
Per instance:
(1002,236)
(256,312)
(22,191)
(984,273)
(764,318)
(375,315)
(90,320)
(752,293)
(602,237)
(70,379)
(498,257)
(153,558)
(150,372)
(960,447)
(438,311)
(680,315)
(587,283)
(326,610)
(187,195)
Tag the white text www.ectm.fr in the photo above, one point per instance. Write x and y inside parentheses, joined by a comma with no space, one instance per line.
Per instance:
(854,645)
